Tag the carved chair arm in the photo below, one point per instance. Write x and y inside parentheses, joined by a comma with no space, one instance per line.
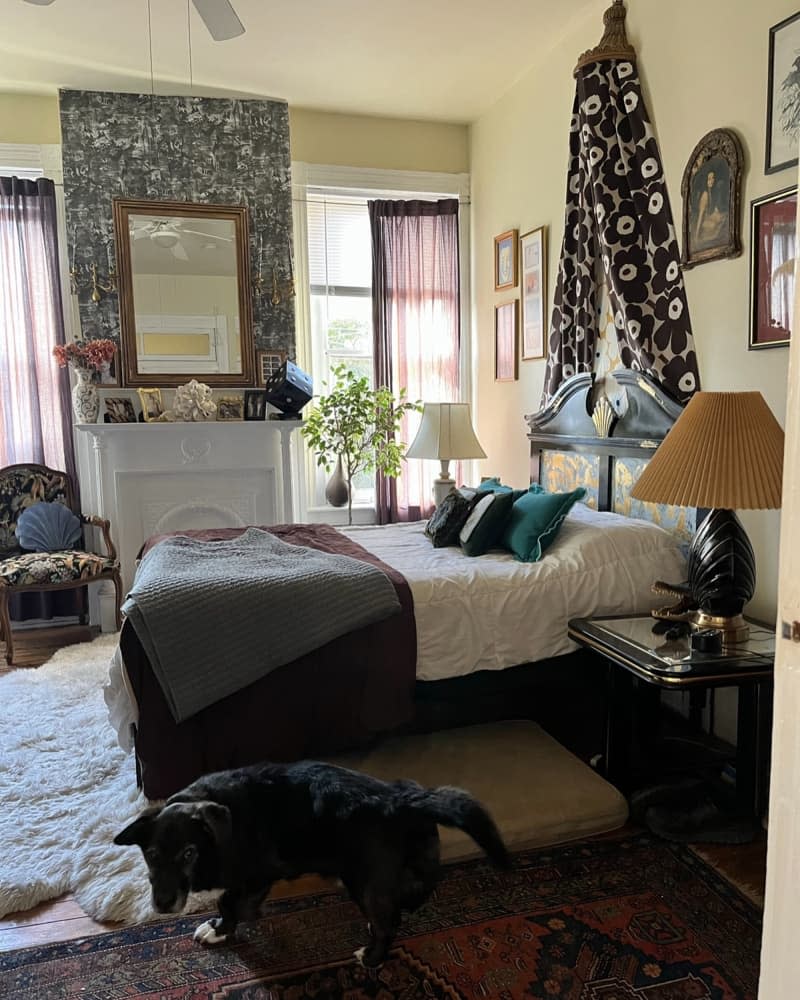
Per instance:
(105,526)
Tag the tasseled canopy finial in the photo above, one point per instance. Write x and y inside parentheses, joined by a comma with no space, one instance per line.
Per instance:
(614,44)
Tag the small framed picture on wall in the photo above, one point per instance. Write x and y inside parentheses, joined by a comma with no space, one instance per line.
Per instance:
(505,342)
(505,260)
(267,363)
(773,249)
(533,284)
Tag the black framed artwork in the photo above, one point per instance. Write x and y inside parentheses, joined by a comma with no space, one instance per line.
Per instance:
(783,95)
(255,404)
(773,242)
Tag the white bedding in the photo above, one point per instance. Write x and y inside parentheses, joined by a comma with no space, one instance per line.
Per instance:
(491,612)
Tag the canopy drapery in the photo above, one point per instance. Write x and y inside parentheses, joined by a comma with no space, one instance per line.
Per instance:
(618,229)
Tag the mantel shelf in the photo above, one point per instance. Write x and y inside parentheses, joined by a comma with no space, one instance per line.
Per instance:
(183,425)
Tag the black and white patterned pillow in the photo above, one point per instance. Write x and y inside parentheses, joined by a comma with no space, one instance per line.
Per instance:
(448,519)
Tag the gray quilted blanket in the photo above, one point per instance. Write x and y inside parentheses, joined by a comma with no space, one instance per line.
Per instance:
(215,616)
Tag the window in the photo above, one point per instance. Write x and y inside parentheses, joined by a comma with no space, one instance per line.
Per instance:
(333,231)
(340,298)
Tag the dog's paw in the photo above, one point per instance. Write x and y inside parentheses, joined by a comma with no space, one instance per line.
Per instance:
(207,934)
(360,955)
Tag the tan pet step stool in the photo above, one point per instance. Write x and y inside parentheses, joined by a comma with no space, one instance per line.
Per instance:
(538,792)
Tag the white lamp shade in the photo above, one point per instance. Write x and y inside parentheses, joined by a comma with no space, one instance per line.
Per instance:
(445,432)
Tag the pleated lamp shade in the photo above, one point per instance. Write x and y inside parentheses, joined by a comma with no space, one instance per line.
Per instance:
(445,432)
(724,451)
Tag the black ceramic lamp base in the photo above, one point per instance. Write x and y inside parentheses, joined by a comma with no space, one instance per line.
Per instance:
(722,575)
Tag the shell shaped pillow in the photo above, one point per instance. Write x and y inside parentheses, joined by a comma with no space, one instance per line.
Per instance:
(47,527)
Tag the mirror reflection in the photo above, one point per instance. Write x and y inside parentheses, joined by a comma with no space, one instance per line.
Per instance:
(183,293)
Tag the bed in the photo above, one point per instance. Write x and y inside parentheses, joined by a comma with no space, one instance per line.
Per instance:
(472,633)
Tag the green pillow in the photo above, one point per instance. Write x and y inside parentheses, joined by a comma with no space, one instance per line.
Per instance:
(534,522)
(484,526)
(489,485)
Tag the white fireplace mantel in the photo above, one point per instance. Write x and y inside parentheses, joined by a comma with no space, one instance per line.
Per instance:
(149,478)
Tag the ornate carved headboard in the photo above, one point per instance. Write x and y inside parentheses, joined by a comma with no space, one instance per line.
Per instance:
(601,437)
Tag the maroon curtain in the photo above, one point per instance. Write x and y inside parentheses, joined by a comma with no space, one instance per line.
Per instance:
(618,227)
(416,308)
(35,412)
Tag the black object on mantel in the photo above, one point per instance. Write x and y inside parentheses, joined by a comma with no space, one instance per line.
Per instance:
(288,390)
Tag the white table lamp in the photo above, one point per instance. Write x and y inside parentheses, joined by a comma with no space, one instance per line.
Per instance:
(445,433)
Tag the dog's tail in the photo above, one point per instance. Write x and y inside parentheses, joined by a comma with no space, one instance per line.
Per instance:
(454,807)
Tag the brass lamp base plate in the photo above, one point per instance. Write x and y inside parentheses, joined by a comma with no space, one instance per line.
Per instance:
(734,629)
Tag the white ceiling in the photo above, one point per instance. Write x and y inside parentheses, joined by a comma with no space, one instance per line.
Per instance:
(445,60)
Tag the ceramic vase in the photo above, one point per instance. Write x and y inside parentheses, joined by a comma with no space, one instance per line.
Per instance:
(337,492)
(85,400)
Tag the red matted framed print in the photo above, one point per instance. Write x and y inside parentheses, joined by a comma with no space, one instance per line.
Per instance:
(773,248)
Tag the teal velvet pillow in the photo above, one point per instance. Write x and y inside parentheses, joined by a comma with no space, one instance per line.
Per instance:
(494,485)
(534,522)
(489,485)
(484,526)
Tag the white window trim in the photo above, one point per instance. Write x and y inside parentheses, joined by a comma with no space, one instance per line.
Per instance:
(345,180)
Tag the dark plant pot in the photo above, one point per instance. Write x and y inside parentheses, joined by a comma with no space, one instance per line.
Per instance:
(337,492)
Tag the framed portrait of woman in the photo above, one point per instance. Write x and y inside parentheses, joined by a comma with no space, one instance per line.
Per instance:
(711,193)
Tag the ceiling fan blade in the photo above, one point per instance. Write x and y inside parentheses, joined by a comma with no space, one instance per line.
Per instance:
(179,252)
(40,3)
(208,236)
(220,18)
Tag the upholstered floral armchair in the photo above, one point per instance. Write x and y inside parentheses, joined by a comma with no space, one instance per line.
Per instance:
(22,570)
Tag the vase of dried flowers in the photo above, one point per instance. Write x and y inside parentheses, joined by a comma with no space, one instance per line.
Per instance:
(86,358)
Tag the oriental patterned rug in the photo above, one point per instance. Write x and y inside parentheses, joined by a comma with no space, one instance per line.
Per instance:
(631,918)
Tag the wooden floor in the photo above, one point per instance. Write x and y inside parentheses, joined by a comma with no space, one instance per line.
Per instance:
(64,920)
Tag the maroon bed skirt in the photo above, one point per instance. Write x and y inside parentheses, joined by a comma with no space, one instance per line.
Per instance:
(335,698)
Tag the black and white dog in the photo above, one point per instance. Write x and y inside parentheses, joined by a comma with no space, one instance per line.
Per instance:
(242,830)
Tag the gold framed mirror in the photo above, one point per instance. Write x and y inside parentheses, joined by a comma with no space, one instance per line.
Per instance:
(184,293)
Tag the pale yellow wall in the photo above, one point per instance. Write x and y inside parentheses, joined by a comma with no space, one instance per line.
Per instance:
(316,136)
(29,119)
(703,66)
(380,143)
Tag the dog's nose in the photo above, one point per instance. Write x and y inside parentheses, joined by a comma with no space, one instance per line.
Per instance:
(164,903)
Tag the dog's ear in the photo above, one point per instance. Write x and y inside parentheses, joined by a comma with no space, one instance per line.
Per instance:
(140,830)
(217,820)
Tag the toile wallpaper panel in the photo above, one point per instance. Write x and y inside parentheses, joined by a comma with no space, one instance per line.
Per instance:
(195,149)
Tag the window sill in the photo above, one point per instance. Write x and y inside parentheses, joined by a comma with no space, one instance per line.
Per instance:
(362,514)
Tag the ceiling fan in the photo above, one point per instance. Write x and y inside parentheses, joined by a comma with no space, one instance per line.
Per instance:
(167,235)
(218,16)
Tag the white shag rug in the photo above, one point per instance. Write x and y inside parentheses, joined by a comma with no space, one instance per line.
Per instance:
(66,789)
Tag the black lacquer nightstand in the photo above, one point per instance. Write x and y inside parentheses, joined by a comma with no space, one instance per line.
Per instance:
(642,664)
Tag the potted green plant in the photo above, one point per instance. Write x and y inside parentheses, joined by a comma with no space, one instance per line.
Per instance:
(354,428)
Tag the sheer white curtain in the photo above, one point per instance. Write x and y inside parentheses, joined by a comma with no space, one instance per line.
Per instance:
(34,393)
